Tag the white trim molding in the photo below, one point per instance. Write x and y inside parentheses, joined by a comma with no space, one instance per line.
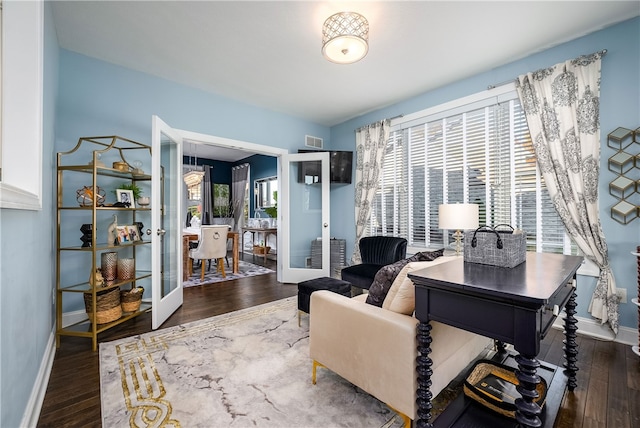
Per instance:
(22,104)
(34,406)
(595,330)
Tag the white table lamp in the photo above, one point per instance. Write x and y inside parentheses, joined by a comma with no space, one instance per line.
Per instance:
(458,217)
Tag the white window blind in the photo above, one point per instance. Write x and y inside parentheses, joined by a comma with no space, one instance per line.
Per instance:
(477,153)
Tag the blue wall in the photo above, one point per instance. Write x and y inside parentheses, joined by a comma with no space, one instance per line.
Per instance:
(261,166)
(27,274)
(619,106)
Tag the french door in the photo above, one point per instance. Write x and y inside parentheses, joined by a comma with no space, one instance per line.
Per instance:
(304,204)
(166,241)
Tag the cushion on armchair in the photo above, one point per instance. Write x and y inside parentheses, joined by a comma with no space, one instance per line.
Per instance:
(387,275)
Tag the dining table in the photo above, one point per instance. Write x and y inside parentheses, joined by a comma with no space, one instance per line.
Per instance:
(192,234)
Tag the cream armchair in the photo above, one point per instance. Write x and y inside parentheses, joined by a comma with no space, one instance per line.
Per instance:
(374,347)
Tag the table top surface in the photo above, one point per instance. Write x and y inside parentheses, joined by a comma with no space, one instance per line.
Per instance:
(534,281)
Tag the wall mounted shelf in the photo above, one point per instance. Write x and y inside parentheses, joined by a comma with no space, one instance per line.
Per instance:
(626,164)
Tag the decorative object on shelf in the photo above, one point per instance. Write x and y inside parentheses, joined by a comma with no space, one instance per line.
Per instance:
(137,170)
(109,265)
(85,196)
(112,234)
(107,305)
(144,201)
(140,226)
(626,164)
(261,249)
(95,277)
(99,162)
(87,234)
(126,268)
(130,300)
(126,197)
(127,234)
(121,166)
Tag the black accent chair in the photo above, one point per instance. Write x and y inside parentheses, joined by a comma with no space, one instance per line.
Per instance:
(376,252)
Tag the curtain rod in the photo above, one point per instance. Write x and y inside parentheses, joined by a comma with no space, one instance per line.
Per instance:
(389,119)
(603,52)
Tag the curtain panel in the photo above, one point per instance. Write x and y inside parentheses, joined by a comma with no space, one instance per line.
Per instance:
(370,143)
(239,177)
(562,106)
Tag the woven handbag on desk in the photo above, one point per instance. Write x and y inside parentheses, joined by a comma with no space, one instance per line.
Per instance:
(489,246)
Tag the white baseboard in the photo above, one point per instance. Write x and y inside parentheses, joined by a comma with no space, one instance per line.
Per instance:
(34,405)
(593,328)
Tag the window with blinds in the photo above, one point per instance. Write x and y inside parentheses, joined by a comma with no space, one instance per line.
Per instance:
(478,153)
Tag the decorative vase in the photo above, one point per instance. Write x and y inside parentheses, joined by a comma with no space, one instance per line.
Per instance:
(126,268)
(109,265)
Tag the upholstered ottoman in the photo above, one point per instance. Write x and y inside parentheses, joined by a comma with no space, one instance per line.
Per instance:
(305,288)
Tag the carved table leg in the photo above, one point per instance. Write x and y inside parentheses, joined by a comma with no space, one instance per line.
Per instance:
(424,371)
(570,345)
(527,411)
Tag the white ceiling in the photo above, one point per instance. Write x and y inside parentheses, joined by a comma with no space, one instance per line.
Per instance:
(268,53)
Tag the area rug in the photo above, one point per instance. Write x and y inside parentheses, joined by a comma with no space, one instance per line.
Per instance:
(245,269)
(249,368)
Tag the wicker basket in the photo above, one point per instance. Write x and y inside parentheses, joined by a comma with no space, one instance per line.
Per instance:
(494,386)
(258,249)
(107,305)
(130,302)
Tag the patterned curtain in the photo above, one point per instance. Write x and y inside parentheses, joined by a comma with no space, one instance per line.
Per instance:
(207,197)
(239,177)
(562,106)
(370,143)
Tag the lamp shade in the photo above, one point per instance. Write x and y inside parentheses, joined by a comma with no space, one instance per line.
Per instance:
(458,216)
(345,37)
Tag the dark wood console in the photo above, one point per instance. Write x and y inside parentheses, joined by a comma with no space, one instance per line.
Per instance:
(516,306)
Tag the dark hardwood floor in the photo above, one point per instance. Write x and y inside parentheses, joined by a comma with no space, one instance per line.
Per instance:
(607,396)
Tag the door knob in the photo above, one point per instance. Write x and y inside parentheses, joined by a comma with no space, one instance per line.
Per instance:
(326,225)
(161,232)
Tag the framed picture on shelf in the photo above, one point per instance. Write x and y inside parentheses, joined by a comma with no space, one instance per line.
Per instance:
(126,197)
(127,234)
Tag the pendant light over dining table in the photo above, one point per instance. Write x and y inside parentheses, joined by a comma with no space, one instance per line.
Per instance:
(193,177)
(345,37)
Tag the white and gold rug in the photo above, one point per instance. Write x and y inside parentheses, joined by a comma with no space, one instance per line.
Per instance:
(249,368)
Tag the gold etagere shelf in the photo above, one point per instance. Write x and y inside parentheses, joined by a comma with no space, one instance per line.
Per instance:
(85,204)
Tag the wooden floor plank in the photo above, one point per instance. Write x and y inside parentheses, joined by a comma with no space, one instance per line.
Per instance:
(73,394)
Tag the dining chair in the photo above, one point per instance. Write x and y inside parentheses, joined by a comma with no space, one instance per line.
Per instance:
(212,245)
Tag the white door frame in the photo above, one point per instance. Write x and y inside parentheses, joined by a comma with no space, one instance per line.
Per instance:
(198,138)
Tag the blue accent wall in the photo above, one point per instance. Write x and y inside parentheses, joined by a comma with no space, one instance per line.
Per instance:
(619,106)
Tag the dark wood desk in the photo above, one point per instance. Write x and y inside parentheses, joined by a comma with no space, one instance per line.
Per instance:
(516,306)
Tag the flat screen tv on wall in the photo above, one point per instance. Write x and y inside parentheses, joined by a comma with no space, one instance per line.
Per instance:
(340,165)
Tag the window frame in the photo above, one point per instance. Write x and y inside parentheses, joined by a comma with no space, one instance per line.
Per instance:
(410,123)
(22,105)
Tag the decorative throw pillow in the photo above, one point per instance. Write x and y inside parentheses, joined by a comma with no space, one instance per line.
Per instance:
(387,274)
(382,282)
(401,296)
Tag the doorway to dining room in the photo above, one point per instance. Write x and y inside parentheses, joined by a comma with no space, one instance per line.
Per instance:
(224,154)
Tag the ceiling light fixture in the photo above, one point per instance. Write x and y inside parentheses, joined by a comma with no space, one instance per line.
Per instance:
(194,176)
(345,37)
